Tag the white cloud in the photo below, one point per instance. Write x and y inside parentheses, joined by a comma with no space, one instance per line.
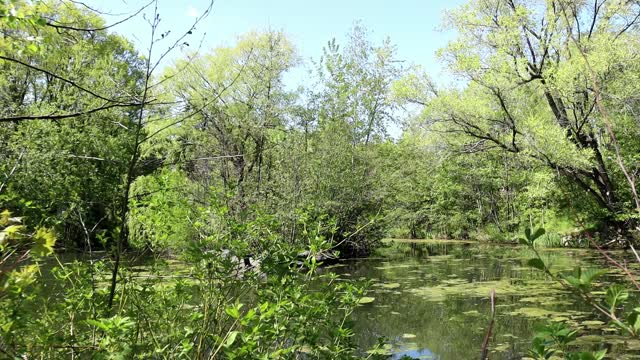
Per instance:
(192,12)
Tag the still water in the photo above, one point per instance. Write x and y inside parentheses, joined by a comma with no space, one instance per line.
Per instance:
(431,300)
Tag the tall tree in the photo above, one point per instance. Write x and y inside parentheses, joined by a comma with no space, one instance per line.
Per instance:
(351,107)
(240,98)
(529,86)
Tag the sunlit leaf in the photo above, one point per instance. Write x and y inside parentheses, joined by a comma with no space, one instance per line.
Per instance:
(231,338)
(615,295)
(44,241)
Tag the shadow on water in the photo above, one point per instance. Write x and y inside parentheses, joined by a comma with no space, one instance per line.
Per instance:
(432,299)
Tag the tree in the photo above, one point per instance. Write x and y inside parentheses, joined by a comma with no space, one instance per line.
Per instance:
(240,96)
(529,87)
(349,110)
(78,159)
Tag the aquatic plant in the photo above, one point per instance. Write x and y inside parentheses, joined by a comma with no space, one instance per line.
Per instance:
(580,281)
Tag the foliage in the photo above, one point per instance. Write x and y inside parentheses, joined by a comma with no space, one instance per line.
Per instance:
(21,248)
(78,161)
(218,190)
(206,303)
(240,290)
(556,337)
(162,211)
(527,92)
(345,133)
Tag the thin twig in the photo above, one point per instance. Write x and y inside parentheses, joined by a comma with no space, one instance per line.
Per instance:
(57,25)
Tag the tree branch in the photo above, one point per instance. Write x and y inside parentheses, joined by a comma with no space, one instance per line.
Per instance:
(70,82)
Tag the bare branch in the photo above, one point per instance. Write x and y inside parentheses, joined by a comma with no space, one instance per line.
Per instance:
(179,41)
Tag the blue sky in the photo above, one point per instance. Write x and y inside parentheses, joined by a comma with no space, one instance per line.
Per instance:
(411,24)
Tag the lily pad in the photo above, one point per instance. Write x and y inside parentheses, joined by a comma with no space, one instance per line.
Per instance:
(532,312)
(593,324)
(391,285)
(385,350)
(501,347)
(366,300)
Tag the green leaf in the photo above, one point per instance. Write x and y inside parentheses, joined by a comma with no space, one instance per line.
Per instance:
(44,240)
(32,48)
(540,350)
(4,217)
(6,327)
(599,355)
(537,234)
(98,324)
(588,276)
(231,338)
(633,320)
(13,231)
(234,311)
(41,21)
(532,237)
(572,280)
(615,295)
(383,350)
(582,278)
(536,263)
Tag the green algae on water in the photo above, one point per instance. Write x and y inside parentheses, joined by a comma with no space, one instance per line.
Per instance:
(505,287)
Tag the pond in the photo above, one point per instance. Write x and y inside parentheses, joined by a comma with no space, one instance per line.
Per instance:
(431,300)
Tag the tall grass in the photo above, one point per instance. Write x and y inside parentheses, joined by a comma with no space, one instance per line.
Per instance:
(550,240)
